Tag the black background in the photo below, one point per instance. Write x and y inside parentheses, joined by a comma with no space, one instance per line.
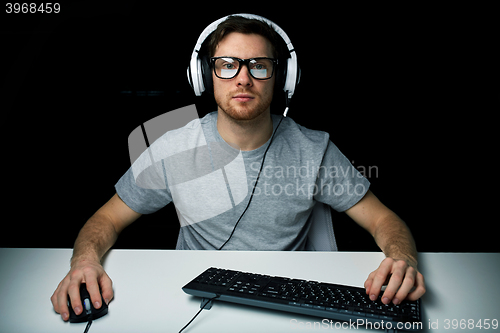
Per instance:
(408,91)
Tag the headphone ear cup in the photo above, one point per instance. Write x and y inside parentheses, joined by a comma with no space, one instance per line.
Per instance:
(194,75)
(207,75)
(190,81)
(292,77)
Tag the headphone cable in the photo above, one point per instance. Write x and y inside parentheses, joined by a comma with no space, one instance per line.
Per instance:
(258,176)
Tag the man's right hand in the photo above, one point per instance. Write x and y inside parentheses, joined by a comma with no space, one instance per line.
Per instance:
(94,240)
(83,271)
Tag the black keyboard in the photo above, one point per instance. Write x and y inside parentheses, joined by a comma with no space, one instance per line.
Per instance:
(325,300)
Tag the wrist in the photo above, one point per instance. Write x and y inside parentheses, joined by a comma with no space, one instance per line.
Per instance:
(396,253)
(78,260)
(410,260)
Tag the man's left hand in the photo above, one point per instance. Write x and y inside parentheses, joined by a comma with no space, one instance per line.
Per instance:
(402,278)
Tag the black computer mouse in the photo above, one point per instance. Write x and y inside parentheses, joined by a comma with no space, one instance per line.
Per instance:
(88,308)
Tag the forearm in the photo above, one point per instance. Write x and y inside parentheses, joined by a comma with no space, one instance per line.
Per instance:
(94,240)
(394,238)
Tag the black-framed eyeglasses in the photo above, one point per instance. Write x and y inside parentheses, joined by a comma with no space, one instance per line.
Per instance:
(260,68)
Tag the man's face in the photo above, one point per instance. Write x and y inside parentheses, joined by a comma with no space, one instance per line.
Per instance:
(243,97)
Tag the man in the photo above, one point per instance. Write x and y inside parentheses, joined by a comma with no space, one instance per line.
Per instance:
(301,168)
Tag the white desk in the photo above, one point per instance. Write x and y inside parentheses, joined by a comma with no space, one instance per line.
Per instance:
(148,295)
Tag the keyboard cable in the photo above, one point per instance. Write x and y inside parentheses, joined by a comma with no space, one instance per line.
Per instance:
(207,301)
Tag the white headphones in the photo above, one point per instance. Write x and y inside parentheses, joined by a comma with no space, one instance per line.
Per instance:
(195,71)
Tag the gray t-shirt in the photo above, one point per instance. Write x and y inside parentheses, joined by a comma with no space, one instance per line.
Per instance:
(210,183)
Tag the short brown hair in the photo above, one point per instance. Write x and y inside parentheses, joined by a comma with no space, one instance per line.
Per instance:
(246,26)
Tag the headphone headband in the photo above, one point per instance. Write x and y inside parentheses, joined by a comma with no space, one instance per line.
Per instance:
(195,71)
(213,26)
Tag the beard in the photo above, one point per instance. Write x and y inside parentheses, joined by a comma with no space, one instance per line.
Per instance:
(243,111)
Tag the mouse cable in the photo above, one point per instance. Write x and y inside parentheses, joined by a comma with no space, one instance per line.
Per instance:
(258,176)
(88,325)
(207,301)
